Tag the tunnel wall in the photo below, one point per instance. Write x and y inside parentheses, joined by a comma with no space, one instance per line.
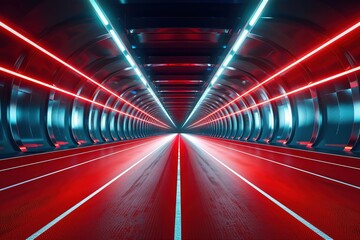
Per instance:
(35,118)
(325,117)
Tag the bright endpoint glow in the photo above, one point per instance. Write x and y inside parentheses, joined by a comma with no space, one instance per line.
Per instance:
(325,80)
(283,70)
(129,58)
(15,74)
(99,13)
(256,16)
(38,47)
(245,31)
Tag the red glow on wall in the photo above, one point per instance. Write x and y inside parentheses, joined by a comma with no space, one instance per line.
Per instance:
(284,69)
(53,56)
(38,82)
(319,82)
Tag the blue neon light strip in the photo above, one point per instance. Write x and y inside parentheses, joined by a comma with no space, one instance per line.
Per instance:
(119,43)
(239,41)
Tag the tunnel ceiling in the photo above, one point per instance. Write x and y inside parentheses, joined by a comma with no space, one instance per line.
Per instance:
(179,46)
(180,43)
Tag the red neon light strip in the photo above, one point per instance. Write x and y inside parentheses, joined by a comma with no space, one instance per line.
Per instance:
(27,40)
(325,80)
(352,28)
(5,70)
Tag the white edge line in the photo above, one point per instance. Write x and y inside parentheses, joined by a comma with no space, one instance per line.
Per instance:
(73,208)
(64,169)
(66,156)
(295,168)
(177,227)
(282,206)
(73,148)
(293,155)
(287,147)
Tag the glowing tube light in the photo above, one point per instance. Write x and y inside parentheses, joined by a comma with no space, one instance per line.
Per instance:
(214,80)
(239,41)
(258,11)
(132,63)
(227,60)
(117,40)
(325,80)
(38,82)
(33,44)
(288,67)
(219,72)
(128,56)
(100,13)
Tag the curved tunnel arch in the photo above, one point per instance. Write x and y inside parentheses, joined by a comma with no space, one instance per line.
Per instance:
(82,41)
(292,137)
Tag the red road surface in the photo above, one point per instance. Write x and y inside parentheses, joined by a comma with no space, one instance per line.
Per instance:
(233,209)
(216,202)
(127,208)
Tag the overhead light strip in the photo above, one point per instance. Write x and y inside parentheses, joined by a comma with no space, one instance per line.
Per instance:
(72,68)
(41,83)
(300,89)
(285,69)
(102,16)
(238,43)
(257,14)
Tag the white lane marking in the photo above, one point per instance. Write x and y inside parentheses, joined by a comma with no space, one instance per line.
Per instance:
(290,148)
(67,168)
(282,206)
(177,230)
(293,155)
(71,149)
(73,208)
(295,168)
(66,156)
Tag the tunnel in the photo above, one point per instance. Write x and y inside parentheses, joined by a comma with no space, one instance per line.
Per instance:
(179,119)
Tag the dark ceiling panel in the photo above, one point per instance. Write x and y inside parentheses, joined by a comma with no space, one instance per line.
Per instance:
(178,45)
